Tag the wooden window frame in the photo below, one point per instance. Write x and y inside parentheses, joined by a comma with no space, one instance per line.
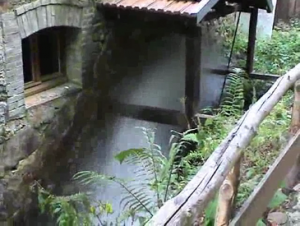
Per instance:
(40,82)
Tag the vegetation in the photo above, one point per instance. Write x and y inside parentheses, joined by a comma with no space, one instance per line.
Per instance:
(165,177)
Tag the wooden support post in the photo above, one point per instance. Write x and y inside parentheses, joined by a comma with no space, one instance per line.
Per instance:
(251,40)
(192,73)
(291,178)
(227,196)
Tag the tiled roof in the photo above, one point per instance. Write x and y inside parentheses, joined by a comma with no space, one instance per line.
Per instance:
(190,8)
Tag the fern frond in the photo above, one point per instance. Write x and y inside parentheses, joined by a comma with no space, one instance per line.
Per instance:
(233,101)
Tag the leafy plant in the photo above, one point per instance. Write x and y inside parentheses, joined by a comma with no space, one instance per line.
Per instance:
(154,174)
(73,210)
(158,178)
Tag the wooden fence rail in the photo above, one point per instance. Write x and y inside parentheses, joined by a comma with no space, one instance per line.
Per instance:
(187,207)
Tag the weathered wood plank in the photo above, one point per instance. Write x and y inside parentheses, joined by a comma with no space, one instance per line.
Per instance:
(258,201)
(188,205)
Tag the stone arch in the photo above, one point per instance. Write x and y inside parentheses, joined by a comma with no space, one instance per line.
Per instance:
(42,14)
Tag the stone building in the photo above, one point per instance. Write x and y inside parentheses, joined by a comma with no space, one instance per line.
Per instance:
(47,56)
(67,66)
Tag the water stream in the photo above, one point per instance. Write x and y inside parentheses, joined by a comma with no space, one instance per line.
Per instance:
(152,75)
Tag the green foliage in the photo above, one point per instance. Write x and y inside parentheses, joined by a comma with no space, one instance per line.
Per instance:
(70,210)
(277,199)
(153,174)
(233,102)
(210,212)
(166,177)
(274,56)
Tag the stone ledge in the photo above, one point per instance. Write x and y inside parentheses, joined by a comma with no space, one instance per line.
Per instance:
(51,94)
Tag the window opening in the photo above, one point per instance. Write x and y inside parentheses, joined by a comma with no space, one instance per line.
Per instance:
(41,54)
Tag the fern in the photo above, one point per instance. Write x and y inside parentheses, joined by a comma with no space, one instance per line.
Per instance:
(153,172)
(233,101)
(72,210)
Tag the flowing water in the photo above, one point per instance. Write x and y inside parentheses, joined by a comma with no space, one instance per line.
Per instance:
(152,75)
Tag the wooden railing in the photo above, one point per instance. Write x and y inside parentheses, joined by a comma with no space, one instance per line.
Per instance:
(222,169)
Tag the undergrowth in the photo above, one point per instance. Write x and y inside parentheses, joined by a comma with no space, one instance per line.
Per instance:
(158,178)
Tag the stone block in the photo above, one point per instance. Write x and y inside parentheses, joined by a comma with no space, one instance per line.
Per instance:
(42,17)
(20,10)
(12,23)
(24,142)
(36,4)
(12,65)
(7,16)
(12,31)
(17,113)
(64,14)
(58,14)
(21,103)
(21,27)
(50,18)
(12,106)
(25,25)
(12,50)
(32,17)
(3,112)
(28,7)
(12,40)
(11,58)
(15,98)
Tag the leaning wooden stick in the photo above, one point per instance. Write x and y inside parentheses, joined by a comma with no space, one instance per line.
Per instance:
(292,177)
(189,204)
(227,196)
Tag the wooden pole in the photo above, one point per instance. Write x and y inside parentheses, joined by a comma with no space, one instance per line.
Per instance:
(189,204)
(192,74)
(251,40)
(291,178)
(227,196)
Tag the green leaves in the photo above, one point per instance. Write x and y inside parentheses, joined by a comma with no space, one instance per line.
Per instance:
(65,208)
(277,199)
(129,153)
(210,212)
(90,177)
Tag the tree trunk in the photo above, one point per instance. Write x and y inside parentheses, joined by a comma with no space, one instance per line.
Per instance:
(189,204)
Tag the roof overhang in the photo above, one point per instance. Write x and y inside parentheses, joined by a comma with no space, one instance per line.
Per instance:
(182,8)
(185,9)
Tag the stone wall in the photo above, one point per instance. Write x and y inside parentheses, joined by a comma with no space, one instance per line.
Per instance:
(34,146)
(23,22)
(35,130)
(28,146)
